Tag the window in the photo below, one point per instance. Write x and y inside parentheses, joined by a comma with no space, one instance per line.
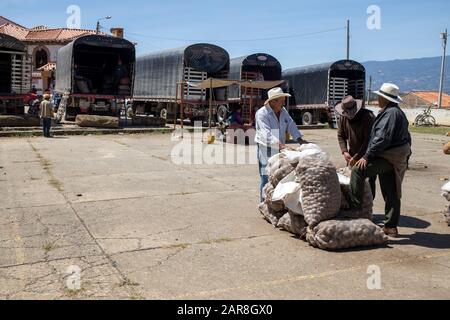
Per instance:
(40,58)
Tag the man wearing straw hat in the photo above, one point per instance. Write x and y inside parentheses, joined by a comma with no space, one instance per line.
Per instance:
(387,156)
(355,126)
(46,114)
(273,123)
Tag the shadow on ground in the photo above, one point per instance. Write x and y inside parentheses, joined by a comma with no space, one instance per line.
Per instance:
(405,222)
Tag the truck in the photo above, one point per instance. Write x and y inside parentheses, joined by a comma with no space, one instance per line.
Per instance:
(254,67)
(94,76)
(317,89)
(15,75)
(163,82)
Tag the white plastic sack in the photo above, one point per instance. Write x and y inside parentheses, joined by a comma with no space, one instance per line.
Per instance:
(288,191)
(446,187)
(343,180)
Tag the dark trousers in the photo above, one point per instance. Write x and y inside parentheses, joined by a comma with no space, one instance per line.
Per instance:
(264,154)
(385,171)
(47,125)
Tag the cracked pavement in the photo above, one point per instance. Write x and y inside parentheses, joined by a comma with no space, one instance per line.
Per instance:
(140,227)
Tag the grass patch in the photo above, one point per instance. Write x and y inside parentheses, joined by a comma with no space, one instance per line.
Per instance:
(430,130)
(56,184)
(49,247)
(71,293)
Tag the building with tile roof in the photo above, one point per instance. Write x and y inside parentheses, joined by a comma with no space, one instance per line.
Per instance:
(43,43)
(425,99)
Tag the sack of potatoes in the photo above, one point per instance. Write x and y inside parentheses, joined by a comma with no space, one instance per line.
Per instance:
(271,216)
(276,206)
(321,190)
(293,223)
(345,234)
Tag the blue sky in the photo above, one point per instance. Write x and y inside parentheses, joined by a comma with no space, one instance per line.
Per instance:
(409,29)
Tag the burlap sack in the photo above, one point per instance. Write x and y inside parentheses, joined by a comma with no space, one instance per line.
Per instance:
(321,190)
(276,206)
(270,215)
(345,234)
(294,224)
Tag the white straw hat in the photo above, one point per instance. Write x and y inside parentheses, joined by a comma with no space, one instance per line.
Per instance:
(390,92)
(276,93)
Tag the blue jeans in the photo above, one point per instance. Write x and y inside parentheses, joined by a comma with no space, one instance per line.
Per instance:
(47,125)
(264,154)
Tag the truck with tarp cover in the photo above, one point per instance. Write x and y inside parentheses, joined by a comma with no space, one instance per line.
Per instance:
(95,76)
(15,75)
(317,89)
(164,82)
(255,67)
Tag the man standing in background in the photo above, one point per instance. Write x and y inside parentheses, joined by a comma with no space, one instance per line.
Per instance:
(46,114)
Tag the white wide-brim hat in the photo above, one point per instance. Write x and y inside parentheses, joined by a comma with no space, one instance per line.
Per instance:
(390,92)
(276,93)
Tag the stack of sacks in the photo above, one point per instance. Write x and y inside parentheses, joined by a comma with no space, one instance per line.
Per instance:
(304,197)
(446,195)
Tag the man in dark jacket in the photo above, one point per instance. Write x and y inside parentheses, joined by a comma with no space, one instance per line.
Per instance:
(355,126)
(386,156)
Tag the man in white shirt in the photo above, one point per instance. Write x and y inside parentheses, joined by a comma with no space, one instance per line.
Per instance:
(273,123)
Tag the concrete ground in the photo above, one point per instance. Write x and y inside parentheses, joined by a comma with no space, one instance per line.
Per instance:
(141,227)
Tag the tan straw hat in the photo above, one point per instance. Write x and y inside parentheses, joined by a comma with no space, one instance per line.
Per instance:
(276,93)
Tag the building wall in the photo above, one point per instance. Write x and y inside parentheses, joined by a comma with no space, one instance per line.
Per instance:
(442,116)
(51,48)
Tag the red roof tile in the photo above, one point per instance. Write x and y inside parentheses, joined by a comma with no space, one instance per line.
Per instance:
(432,97)
(42,33)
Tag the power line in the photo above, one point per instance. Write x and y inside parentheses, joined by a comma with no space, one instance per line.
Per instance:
(240,40)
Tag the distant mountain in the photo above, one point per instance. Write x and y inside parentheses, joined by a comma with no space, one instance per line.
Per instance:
(410,74)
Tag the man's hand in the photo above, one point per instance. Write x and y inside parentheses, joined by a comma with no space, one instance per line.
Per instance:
(352,162)
(362,164)
(282,146)
(347,157)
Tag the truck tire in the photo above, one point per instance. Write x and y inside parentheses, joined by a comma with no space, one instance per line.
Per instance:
(307,119)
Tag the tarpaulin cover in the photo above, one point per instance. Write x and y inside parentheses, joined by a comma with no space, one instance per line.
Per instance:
(8,43)
(213,83)
(309,85)
(66,56)
(262,63)
(157,74)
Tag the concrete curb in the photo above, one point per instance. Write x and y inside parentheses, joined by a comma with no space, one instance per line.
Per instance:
(33,132)
(76,131)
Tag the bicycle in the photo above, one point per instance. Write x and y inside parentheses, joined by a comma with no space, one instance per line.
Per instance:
(425,119)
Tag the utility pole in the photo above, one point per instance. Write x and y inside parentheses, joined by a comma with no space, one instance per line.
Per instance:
(348,39)
(441,85)
(370,91)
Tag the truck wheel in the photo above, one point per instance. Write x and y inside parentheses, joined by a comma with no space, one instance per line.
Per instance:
(307,119)
(222,113)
